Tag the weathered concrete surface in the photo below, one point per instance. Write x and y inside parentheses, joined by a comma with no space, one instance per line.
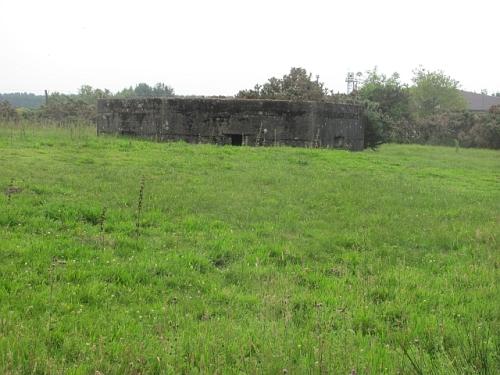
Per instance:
(234,121)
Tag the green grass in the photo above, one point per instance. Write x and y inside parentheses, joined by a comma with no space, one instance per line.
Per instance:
(245,260)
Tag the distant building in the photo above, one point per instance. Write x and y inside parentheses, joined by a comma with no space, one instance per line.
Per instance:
(480,102)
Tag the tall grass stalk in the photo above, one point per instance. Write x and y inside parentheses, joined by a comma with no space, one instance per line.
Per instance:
(140,200)
(102,220)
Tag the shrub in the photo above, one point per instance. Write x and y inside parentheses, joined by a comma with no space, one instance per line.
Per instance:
(495,109)
(7,112)
(375,124)
(469,129)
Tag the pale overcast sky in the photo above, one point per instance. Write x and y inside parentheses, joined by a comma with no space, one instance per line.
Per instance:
(218,47)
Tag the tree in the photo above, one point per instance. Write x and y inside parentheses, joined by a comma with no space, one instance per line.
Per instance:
(297,85)
(143,90)
(435,92)
(386,106)
(389,93)
(162,90)
(90,95)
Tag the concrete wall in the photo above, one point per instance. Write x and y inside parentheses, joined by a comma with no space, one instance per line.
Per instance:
(234,121)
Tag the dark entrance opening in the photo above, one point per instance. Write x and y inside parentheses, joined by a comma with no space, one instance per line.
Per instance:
(338,141)
(236,139)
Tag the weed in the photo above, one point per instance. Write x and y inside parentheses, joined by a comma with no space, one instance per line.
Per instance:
(102,220)
(140,199)
(10,190)
(258,139)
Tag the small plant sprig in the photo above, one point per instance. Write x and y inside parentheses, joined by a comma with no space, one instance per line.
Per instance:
(316,139)
(10,190)
(102,220)
(139,206)
(258,138)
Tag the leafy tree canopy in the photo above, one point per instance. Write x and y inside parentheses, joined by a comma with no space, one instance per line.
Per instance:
(435,92)
(297,85)
(391,95)
(90,95)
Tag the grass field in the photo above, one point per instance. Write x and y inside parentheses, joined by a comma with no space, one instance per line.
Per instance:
(245,260)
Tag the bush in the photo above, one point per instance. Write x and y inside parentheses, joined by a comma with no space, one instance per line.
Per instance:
(484,132)
(7,112)
(469,129)
(64,108)
(375,124)
(495,109)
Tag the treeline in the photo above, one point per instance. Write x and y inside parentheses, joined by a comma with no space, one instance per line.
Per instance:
(23,99)
(431,110)
(74,107)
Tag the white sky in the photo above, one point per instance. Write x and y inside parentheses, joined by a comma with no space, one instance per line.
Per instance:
(218,47)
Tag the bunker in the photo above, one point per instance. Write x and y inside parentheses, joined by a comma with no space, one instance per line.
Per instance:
(234,121)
